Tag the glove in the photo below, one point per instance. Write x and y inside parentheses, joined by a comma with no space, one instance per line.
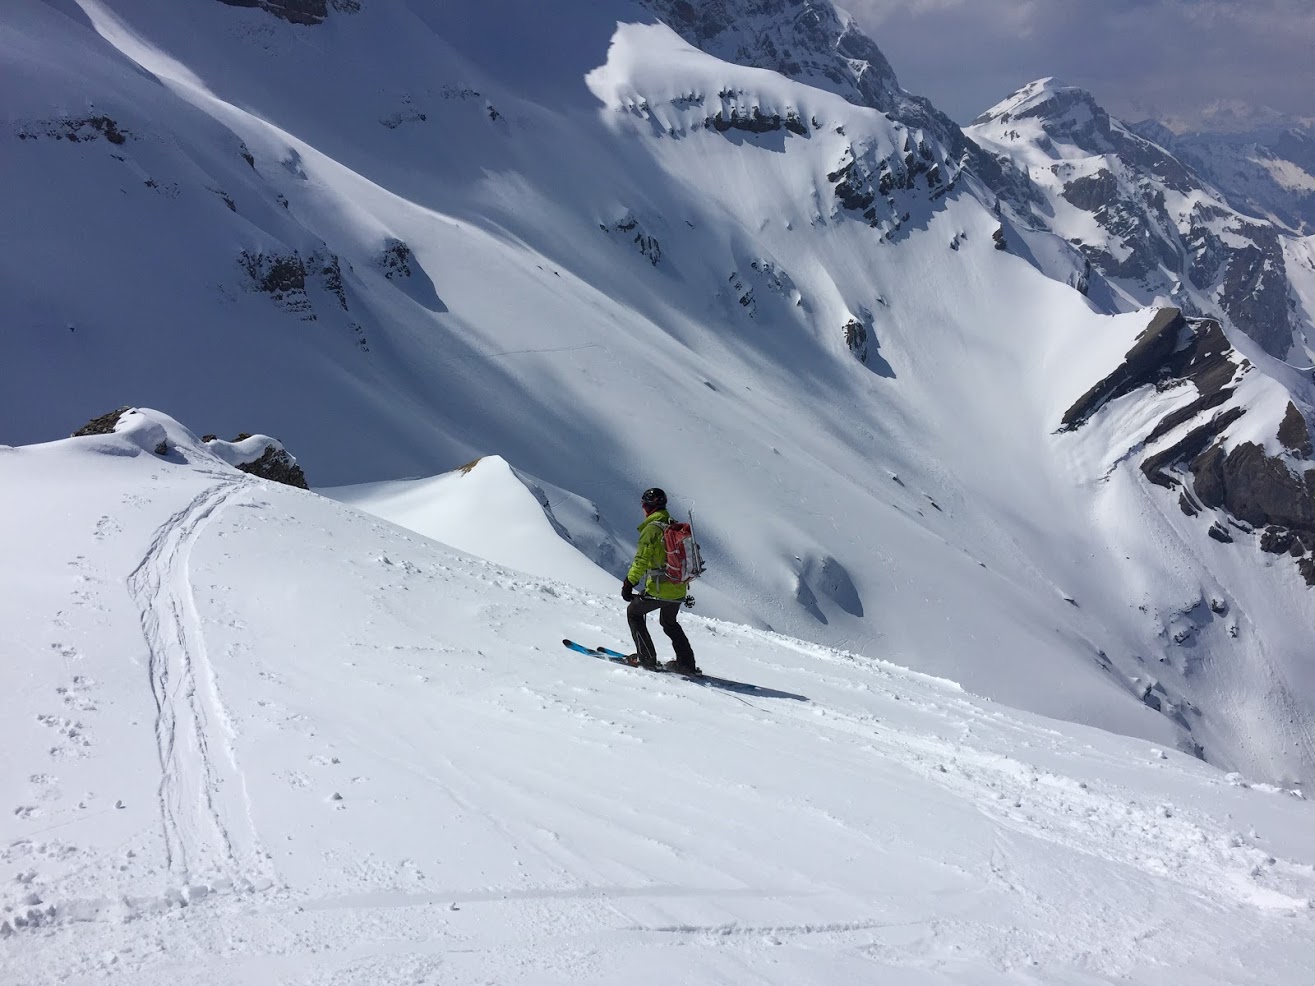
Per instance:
(627,590)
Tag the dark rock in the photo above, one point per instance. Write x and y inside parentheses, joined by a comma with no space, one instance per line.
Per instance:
(999,238)
(1093,192)
(1186,505)
(104,425)
(1254,487)
(1141,366)
(1203,403)
(284,276)
(856,339)
(1294,433)
(274,464)
(75,130)
(1255,291)
(1189,446)
(299,11)
(273,273)
(810,42)
(754,121)
(1220,533)
(1160,357)
(1307,568)
(330,271)
(647,245)
(1277,540)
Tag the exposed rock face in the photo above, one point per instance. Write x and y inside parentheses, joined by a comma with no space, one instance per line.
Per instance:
(1253,490)
(756,122)
(284,277)
(104,425)
(1294,433)
(867,182)
(259,455)
(1170,348)
(395,259)
(74,130)
(810,41)
(278,467)
(632,229)
(1163,231)
(1255,487)
(856,339)
(299,11)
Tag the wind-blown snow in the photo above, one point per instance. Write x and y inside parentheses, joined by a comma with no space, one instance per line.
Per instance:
(256,735)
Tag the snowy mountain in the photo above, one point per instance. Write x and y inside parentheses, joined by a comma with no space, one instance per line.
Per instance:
(253,735)
(1270,176)
(401,237)
(1149,224)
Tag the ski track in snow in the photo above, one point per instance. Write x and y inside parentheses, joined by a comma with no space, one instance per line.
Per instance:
(206,816)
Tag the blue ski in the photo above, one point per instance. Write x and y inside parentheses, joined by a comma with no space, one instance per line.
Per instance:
(709,681)
(601,653)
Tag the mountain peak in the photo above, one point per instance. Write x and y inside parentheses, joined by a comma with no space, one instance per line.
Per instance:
(1047,99)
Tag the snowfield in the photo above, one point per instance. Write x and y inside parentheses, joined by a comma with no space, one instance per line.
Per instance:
(253,735)
(998,712)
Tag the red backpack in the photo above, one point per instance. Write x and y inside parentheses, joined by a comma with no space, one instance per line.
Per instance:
(684,562)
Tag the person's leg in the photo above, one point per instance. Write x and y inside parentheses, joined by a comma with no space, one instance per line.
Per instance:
(636,614)
(679,642)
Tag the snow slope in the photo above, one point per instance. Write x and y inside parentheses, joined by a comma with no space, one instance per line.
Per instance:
(254,735)
(488,509)
(410,236)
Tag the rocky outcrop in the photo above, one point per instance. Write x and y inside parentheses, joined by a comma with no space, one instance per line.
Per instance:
(104,425)
(299,11)
(285,276)
(1254,491)
(632,229)
(868,183)
(274,464)
(1255,488)
(74,130)
(400,266)
(1294,433)
(755,121)
(1169,349)
(812,42)
(855,334)
(395,259)
(261,456)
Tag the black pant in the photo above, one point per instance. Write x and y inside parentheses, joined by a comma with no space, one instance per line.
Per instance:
(636,614)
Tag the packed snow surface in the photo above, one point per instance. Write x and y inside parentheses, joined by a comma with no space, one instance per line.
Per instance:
(254,735)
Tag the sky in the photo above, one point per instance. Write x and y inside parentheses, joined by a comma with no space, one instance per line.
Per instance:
(1193,64)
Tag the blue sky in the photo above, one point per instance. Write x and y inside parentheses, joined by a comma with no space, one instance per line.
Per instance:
(1218,64)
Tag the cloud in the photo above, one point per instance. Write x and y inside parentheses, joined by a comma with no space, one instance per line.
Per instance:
(1190,62)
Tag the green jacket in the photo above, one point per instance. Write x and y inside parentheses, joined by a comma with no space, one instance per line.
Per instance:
(651,558)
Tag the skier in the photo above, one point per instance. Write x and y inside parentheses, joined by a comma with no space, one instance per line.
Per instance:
(656,592)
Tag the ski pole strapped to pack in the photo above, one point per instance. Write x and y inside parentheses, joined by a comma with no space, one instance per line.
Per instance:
(684,562)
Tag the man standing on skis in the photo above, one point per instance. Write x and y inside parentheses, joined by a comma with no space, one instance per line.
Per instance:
(657,592)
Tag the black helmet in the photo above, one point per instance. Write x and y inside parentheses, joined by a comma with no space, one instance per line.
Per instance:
(654,497)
